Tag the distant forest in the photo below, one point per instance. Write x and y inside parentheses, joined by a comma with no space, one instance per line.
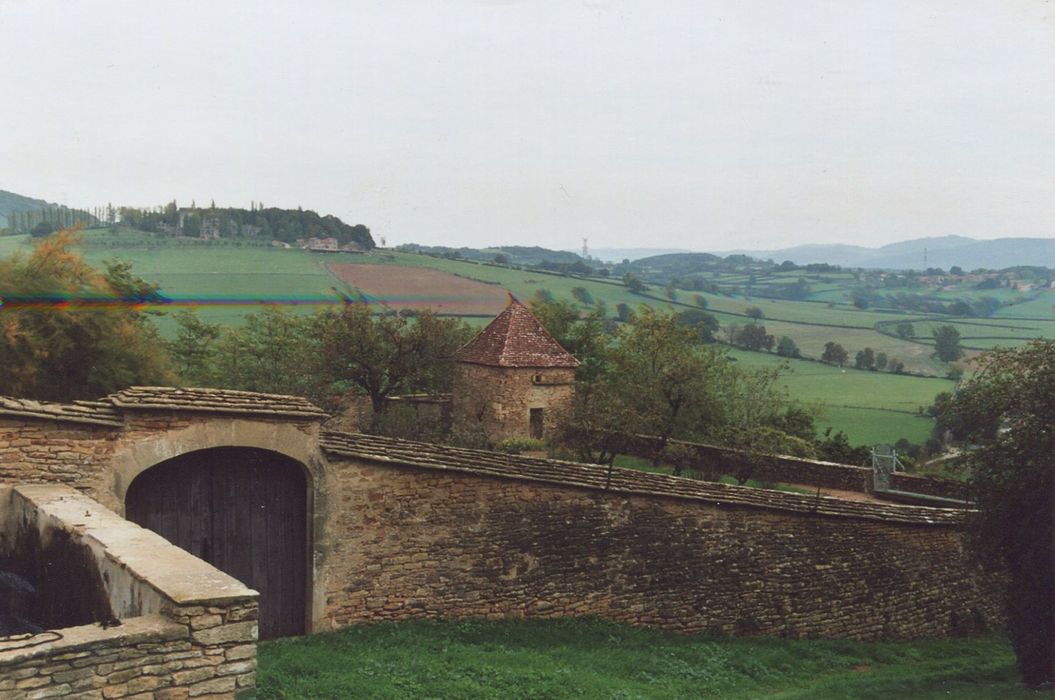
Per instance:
(270,223)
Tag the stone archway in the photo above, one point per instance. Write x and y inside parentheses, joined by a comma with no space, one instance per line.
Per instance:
(245,510)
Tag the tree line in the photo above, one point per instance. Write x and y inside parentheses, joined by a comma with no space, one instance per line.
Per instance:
(269,223)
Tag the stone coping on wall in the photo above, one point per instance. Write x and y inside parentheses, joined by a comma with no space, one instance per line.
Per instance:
(90,412)
(215,401)
(149,558)
(627,481)
(69,640)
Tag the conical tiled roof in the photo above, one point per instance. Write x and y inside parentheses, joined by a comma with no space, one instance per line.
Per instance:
(515,339)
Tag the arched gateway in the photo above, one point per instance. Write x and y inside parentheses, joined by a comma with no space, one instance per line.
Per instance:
(245,511)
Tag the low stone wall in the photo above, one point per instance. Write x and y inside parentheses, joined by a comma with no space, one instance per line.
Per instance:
(779,468)
(445,533)
(917,483)
(182,628)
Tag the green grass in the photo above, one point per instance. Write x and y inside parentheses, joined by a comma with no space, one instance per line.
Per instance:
(1041,306)
(590,658)
(870,407)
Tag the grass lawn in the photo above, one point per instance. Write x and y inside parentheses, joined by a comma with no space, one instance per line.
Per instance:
(594,659)
(870,407)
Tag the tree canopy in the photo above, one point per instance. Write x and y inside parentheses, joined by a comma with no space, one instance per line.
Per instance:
(54,351)
(1005,415)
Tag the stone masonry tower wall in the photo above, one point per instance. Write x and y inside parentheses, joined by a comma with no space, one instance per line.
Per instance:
(500,400)
(513,379)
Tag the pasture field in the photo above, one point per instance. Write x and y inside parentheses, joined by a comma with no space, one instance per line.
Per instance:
(424,289)
(870,407)
(588,658)
(11,244)
(1042,306)
(987,333)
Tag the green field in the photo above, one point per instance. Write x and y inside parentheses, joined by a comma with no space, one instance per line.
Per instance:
(870,407)
(589,658)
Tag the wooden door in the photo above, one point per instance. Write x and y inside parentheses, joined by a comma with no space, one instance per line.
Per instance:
(242,510)
(535,423)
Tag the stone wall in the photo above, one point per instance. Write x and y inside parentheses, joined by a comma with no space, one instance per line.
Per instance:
(796,470)
(918,483)
(421,542)
(184,630)
(403,530)
(498,400)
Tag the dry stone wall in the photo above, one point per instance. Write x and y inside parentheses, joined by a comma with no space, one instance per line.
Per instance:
(428,543)
(405,530)
(185,629)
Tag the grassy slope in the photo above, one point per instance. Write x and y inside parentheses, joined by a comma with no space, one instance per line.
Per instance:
(594,659)
(870,407)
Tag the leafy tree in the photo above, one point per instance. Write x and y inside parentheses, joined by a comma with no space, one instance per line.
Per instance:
(706,324)
(881,361)
(1005,411)
(834,354)
(623,311)
(272,352)
(700,300)
(44,228)
(385,355)
(865,359)
(56,353)
(583,335)
(896,366)
(787,347)
(753,336)
(905,329)
(634,284)
(837,448)
(500,259)
(754,312)
(654,379)
(193,347)
(665,378)
(947,343)
(582,295)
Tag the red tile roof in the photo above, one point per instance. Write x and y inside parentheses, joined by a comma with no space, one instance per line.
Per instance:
(515,338)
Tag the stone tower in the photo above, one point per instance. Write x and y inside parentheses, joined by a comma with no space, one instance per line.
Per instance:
(513,379)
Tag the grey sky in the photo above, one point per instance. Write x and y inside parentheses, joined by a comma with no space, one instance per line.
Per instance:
(704,125)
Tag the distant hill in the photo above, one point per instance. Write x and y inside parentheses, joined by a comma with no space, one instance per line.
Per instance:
(615,255)
(514,254)
(11,203)
(921,253)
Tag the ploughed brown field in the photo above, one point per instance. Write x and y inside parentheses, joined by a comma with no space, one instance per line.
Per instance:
(420,288)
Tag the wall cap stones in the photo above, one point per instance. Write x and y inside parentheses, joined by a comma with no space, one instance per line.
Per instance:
(215,401)
(134,630)
(176,574)
(595,477)
(90,412)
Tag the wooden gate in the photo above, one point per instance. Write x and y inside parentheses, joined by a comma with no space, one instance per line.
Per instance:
(244,511)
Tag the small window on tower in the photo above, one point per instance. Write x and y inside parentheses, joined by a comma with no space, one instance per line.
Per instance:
(537,379)
(536,423)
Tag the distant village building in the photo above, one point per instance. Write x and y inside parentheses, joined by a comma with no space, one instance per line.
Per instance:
(211,228)
(322,245)
(513,379)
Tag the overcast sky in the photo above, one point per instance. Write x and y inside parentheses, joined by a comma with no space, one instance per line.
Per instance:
(705,124)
